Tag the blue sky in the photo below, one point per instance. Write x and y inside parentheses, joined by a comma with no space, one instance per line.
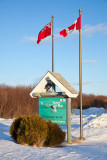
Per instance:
(23,62)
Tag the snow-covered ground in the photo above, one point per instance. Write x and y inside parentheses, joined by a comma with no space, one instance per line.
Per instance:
(94,147)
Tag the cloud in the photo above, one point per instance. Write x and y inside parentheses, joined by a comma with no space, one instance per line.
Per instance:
(89,61)
(90,30)
(28,39)
(83,83)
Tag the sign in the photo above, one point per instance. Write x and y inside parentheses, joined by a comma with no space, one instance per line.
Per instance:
(54,109)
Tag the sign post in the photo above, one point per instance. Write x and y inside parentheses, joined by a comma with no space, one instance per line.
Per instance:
(69,120)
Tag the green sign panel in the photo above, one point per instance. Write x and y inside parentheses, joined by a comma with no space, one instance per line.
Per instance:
(53,109)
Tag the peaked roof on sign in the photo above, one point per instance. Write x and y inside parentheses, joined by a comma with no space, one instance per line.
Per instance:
(64,82)
(58,80)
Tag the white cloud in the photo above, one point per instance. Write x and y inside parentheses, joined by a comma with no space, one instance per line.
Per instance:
(89,61)
(86,83)
(90,30)
(28,39)
(83,83)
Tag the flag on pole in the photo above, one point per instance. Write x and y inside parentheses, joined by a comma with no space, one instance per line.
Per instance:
(46,31)
(75,26)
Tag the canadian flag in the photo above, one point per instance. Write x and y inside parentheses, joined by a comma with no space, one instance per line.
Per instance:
(46,31)
(75,26)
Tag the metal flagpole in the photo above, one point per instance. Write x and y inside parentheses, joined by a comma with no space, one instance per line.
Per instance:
(53,86)
(80,82)
(52,43)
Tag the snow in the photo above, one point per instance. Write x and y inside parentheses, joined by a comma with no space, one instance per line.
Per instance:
(93,147)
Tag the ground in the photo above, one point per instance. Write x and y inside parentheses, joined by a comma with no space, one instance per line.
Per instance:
(93,147)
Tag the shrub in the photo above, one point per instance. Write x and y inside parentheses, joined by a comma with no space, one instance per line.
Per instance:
(55,134)
(34,130)
(31,130)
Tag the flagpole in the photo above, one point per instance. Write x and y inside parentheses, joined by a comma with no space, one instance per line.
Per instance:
(52,43)
(80,82)
(53,86)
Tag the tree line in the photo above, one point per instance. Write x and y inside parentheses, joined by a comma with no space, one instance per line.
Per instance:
(15,101)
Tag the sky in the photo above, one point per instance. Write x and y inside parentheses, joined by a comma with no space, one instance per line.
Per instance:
(24,62)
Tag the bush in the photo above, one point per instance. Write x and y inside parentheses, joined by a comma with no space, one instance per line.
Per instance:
(55,134)
(34,130)
(31,130)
